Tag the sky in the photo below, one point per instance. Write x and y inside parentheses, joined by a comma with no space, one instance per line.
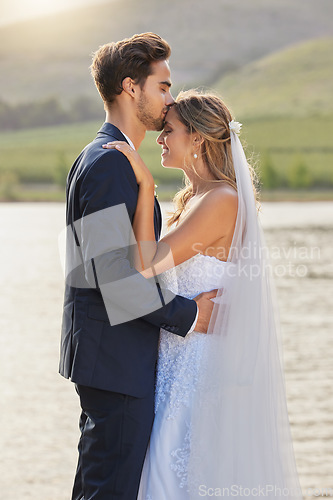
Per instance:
(12,11)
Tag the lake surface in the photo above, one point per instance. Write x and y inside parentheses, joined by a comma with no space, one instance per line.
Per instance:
(39,409)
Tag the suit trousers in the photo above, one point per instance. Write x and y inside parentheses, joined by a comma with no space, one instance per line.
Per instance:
(115,430)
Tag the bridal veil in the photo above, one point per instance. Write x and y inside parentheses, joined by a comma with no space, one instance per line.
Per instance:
(241,444)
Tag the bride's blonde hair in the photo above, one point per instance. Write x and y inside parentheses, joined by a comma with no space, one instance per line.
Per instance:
(206,114)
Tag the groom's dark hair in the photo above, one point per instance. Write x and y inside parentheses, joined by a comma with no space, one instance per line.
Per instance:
(130,57)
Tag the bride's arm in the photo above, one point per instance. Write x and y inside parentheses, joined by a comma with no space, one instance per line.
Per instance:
(143,221)
(212,218)
(143,227)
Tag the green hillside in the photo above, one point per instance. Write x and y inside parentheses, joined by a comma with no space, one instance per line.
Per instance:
(43,156)
(297,81)
(51,55)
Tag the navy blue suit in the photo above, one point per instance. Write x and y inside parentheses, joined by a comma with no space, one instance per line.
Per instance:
(113,366)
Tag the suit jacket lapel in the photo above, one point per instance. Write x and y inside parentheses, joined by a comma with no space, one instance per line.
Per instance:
(108,130)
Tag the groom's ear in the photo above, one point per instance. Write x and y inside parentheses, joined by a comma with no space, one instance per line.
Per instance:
(128,86)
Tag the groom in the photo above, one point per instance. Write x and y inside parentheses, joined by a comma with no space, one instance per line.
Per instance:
(112,315)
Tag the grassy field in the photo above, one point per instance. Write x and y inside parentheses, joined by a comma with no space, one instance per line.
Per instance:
(32,161)
(39,155)
(291,141)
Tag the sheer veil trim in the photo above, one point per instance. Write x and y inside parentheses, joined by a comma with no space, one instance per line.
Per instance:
(240,418)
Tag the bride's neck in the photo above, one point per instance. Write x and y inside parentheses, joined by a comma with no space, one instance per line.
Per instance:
(200,186)
(200,181)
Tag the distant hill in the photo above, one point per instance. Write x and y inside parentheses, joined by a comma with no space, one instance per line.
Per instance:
(297,81)
(51,56)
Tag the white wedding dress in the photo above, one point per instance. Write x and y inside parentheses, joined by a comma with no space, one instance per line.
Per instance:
(221,417)
(164,475)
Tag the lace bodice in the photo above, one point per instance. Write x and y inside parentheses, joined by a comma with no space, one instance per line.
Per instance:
(198,274)
(179,358)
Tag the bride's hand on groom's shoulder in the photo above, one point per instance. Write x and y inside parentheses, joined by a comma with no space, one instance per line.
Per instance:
(141,171)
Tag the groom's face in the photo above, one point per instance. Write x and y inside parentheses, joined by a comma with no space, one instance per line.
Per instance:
(155,97)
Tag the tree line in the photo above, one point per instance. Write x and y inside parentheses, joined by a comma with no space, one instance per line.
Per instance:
(47,112)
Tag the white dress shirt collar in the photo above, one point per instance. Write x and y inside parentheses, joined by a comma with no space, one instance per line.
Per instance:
(128,140)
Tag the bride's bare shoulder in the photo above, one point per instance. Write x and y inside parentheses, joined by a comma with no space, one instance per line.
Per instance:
(221,198)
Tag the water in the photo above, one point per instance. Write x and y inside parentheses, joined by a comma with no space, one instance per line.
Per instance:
(39,409)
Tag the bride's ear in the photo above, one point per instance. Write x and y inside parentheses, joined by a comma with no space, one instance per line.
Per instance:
(197,139)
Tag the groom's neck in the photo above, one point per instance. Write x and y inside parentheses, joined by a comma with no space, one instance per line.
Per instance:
(127,123)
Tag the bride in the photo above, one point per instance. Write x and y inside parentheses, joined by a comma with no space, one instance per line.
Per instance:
(221,423)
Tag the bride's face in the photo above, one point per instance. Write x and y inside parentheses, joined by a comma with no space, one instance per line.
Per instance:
(175,141)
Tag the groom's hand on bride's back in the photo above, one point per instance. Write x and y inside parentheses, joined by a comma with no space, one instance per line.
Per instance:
(205,306)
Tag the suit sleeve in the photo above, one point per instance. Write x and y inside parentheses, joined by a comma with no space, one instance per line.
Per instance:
(108,197)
